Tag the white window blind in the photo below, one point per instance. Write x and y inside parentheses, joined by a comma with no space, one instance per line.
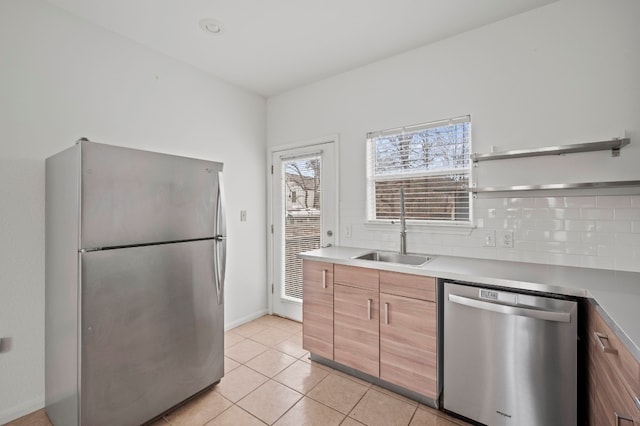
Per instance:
(431,161)
(302,221)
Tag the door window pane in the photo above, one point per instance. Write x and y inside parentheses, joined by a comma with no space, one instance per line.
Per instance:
(302,218)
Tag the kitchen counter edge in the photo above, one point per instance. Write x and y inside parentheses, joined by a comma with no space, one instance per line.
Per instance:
(616,294)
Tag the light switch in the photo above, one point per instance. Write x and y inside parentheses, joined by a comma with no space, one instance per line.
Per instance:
(489,239)
(243,215)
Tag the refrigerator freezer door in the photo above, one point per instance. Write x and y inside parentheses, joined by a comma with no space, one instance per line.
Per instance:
(134,197)
(152,330)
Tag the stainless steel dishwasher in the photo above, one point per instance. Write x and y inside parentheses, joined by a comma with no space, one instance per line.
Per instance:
(509,358)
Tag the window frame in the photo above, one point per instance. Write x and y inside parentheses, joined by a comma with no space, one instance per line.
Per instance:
(434,225)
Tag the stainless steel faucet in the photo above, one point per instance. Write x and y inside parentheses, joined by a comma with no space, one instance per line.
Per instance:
(403,224)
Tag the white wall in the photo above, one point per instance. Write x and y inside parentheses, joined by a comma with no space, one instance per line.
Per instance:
(62,78)
(565,73)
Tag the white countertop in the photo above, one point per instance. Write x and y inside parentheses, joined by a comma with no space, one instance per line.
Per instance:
(616,293)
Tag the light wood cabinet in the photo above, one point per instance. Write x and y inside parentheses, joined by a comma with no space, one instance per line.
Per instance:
(356,331)
(384,324)
(317,308)
(408,332)
(414,286)
(408,342)
(365,278)
(356,316)
(613,376)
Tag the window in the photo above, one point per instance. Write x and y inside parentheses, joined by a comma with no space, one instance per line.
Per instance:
(303,222)
(431,161)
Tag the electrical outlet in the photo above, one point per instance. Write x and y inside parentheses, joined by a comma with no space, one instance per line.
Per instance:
(505,239)
(243,215)
(347,231)
(5,344)
(489,239)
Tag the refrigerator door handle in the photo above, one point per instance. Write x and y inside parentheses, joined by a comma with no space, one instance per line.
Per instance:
(220,244)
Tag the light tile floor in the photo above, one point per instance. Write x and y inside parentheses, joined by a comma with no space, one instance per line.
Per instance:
(269,379)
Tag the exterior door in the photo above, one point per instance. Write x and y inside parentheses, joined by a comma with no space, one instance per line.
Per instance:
(304,199)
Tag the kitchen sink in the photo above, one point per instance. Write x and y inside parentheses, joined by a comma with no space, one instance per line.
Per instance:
(390,257)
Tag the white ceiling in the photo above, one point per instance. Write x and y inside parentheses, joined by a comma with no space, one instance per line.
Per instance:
(270,46)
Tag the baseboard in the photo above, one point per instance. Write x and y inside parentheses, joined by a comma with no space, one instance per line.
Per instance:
(243,320)
(13,413)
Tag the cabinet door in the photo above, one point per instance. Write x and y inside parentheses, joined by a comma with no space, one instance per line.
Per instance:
(611,393)
(408,343)
(317,308)
(356,331)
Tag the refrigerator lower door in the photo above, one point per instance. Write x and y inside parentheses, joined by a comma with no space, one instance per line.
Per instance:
(152,330)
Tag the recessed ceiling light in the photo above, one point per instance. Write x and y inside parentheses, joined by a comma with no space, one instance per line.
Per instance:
(211,26)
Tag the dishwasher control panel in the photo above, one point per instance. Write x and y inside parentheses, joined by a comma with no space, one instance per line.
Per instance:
(498,296)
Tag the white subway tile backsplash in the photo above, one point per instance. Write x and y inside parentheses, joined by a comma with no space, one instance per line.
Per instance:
(579,225)
(523,223)
(553,202)
(598,262)
(628,239)
(564,259)
(532,235)
(613,201)
(550,225)
(598,237)
(627,263)
(522,245)
(609,250)
(627,214)
(565,213)
(521,202)
(496,223)
(579,202)
(536,213)
(589,231)
(612,226)
(596,214)
(551,247)
(535,257)
(566,236)
(582,249)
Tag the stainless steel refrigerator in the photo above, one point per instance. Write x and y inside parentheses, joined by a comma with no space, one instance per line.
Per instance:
(135,267)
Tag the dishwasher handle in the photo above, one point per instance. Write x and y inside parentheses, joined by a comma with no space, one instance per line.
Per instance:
(511,310)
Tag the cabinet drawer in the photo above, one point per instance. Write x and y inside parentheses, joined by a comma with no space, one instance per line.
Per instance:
(364,278)
(414,286)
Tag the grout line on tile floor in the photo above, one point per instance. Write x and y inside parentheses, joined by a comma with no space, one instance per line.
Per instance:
(287,328)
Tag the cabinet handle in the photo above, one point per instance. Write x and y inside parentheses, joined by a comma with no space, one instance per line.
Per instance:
(622,417)
(369,308)
(386,313)
(603,348)
(324,278)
